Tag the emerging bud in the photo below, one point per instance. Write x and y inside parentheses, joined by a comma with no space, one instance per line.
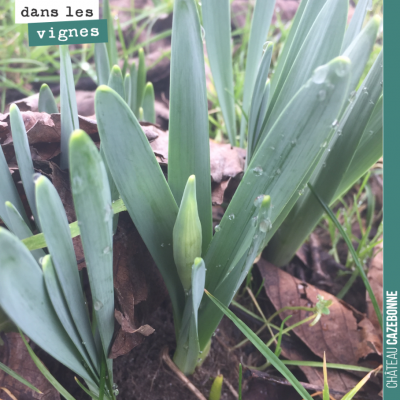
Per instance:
(187,237)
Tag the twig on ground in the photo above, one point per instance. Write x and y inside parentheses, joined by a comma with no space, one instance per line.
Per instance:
(166,358)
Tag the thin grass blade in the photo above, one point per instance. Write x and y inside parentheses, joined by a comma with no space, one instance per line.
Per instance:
(92,201)
(69,109)
(46,373)
(24,158)
(56,231)
(261,347)
(353,253)
(217,27)
(260,24)
(189,148)
(47,103)
(23,296)
(18,377)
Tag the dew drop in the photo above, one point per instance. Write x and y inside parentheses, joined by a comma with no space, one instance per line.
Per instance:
(294,142)
(41,260)
(217,228)
(365,90)
(371,102)
(324,165)
(265,225)
(116,392)
(257,171)
(258,200)
(106,250)
(278,171)
(98,305)
(84,343)
(321,95)
(231,217)
(320,74)
(162,244)
(323,145)
(339,132)
(36,176)
(335,123)
(341,69)
(203,33)
(254,221)
(272,148)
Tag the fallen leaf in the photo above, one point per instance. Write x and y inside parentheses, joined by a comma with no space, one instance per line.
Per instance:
(14,354)
(138,284)
(337,334)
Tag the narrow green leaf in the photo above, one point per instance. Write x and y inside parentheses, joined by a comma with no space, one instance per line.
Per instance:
(69,109)
(325,392)
(18,226)
(329,173)
(112,41)
(24,158)
(188,353)
(38,241)
(359,51)
(320,46)
(142,185)
(303,21)
(255,113)
(24,298)
(217,27)
(149,112)
(140,80)
(368,152)
(102,63)
(116,81)
(133,88)
(56,231)
(59,303)
(189,148)
(356,23)
(318,364)
(18,377)
(353,253)
(8,192)
(128,89)
(283,159)
(46,373)
(92,201)
(88,392)
(261,347)
(260,24)
(47,103)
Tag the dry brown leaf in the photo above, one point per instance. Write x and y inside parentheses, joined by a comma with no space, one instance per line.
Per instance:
(375,277)
(336,334)
(138,286)
(14,354)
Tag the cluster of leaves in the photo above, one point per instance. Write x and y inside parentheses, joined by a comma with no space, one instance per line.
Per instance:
(305,125)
